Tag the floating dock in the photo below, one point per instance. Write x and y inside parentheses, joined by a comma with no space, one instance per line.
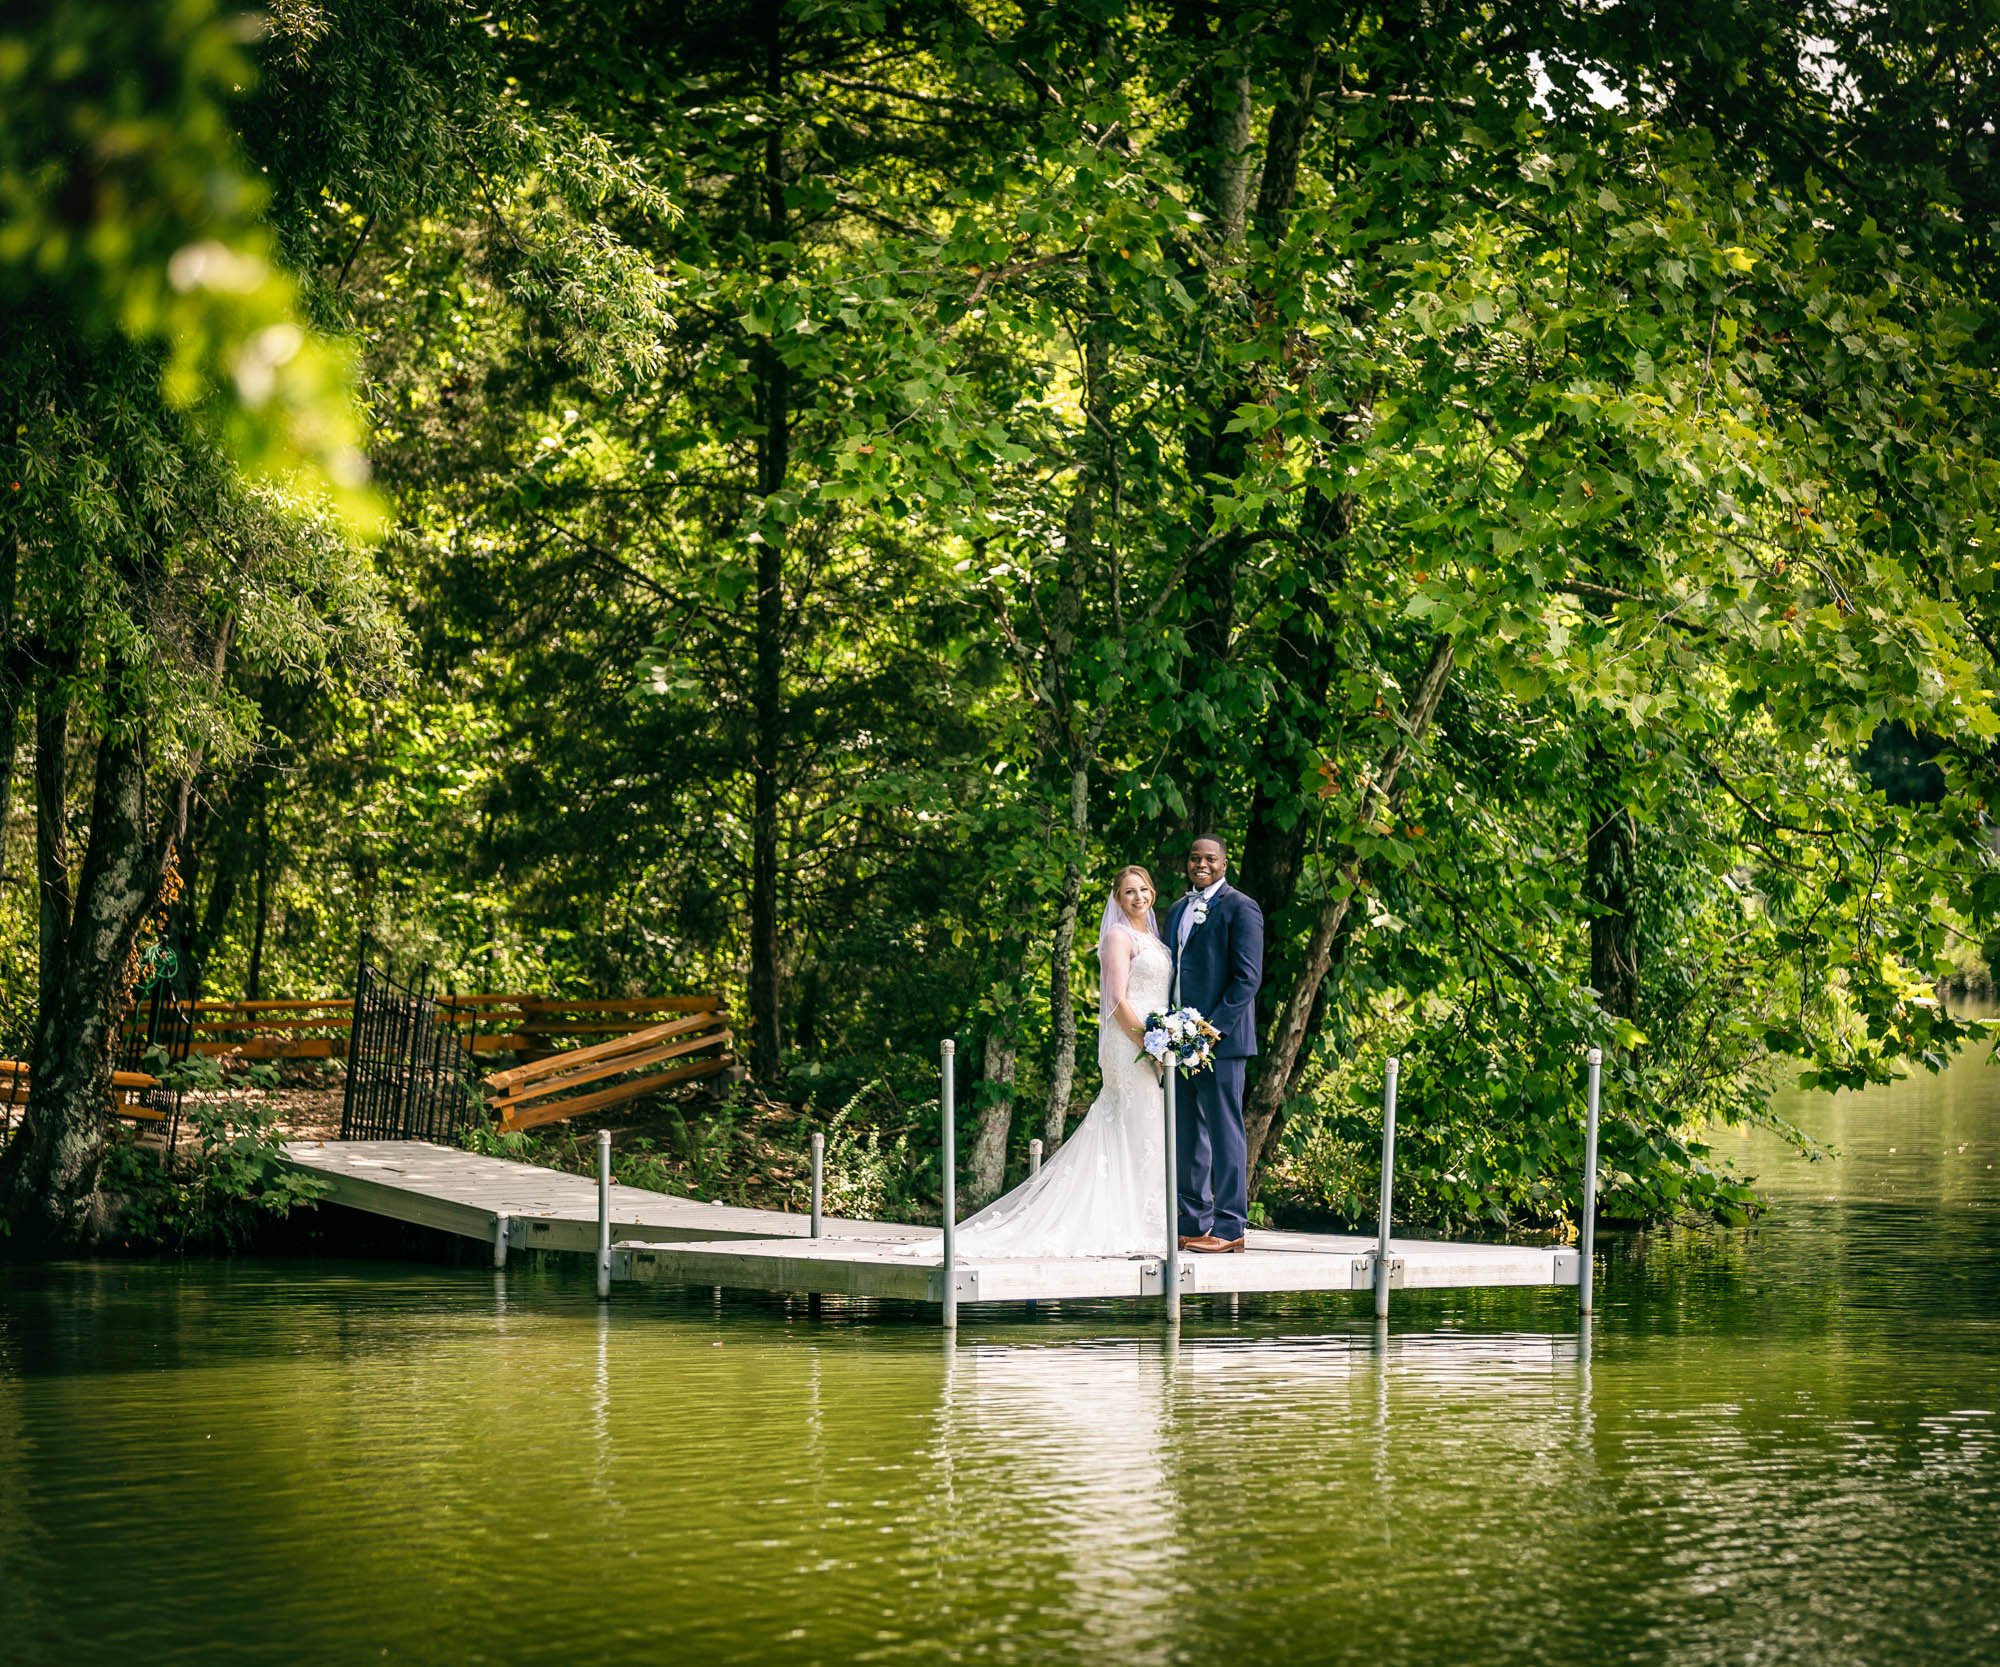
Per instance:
(660,1237)
(1270,1263)
(519,1206)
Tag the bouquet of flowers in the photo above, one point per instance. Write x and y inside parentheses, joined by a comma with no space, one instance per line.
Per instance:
(1182,1036)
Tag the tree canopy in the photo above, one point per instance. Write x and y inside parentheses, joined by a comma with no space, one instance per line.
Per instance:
(843,479)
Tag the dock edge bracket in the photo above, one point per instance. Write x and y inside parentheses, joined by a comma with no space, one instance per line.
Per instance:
(1567,1265)
(1153,1282)
(965,1284)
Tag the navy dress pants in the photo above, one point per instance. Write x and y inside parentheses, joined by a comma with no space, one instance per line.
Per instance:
(1208,1136)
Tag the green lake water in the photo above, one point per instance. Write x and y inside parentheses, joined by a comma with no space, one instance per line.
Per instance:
(1780,1445)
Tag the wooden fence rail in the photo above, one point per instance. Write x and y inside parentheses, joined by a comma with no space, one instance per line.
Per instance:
(531,1026)
(547,1090)
(127,1087)
(648,1044)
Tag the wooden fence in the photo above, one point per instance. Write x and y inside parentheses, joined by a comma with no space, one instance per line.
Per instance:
(577,1056)
(532,1026)
(273,1029)
(134,1094)
(644,1061)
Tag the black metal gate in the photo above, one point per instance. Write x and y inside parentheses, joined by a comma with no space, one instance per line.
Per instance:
(159,1031)
(409,1060)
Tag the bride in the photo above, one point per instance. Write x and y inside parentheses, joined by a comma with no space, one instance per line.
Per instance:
(1104,1193)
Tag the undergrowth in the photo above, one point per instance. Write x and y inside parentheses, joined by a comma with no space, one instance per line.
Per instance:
(740,1149)
(223,1181)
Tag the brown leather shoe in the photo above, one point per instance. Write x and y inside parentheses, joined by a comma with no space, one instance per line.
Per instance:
(1190,1240)
(1209,1245)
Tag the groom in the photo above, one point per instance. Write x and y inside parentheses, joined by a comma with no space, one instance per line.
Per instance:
(1216,935)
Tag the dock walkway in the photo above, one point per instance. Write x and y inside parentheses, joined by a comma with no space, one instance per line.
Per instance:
(661,1237)
(543,1209)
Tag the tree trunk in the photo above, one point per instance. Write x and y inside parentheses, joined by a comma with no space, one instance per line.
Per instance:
(1062,990)
(768,696)
(1218,130)
(234,848)
(10,729)
(805,1016)
(1611,871)
(1307,659)
(216,911)
(1278,1069)
(1611,882)
(996,1107)
(1212,448)
(48,1173)
(52,881)
(13,683)
(1065,620)
(253,982)
(996,1119)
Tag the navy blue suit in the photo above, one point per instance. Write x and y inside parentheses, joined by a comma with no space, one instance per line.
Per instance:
(1217,974)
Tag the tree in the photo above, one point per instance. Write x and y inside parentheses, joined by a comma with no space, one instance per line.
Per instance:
(861,475)
(182,458)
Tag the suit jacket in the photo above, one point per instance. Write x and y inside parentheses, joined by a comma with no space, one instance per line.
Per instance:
(1221,968)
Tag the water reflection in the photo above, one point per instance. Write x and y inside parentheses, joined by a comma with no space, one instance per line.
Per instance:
(1929,1141)
(1073,1441)
(1780,1445)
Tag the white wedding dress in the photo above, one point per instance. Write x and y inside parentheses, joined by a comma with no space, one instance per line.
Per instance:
(1104,1193)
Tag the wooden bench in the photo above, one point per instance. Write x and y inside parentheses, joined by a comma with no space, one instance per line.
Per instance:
(13,1092)
(696,1044)
(124,1084)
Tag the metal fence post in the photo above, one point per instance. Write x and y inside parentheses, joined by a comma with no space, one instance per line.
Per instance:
(1171,1268)
(1586,1265)
(947,1100)
(603,1214)
(353,1105)
(819,1179)
(1034,1159)
(1387,1204)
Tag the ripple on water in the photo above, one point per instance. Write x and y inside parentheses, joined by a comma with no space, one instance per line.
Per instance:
(1778,1446)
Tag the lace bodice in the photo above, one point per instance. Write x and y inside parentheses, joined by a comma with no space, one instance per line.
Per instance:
(1146,980)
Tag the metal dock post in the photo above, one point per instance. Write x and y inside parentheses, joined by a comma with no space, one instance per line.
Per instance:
(1034,1166)
(947,1100)
(1587,1229)
(1386,1206)
(500,1241)
(1171,1268)
(819,1174)
(603,1215)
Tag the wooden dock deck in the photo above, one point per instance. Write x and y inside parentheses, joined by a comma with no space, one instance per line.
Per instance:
(543,1209)
(1271,1263)
(659,1237)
